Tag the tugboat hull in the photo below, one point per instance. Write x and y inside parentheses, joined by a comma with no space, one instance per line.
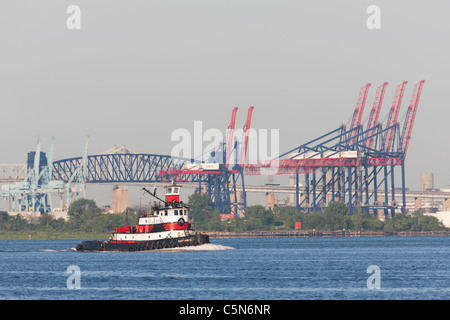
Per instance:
(165,226)
(95,245)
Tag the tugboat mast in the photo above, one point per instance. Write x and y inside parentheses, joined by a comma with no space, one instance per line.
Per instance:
(154,195)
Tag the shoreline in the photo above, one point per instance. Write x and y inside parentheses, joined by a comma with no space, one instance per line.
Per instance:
(248,234)
(8,235)
(326,234)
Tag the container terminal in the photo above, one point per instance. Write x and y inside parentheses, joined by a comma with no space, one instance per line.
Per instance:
(360,164)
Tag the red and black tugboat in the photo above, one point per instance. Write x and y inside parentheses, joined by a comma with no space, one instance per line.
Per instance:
(163,227)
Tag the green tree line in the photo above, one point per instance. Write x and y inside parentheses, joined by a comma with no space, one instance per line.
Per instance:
(86,217)
(334,217)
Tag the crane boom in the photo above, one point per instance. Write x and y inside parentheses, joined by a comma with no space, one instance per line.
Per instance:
(393,116)
(410,116)
(375,115)
(357,114)
(246,133)
(230,132)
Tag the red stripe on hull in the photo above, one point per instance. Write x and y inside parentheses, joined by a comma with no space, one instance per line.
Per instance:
(175,226)
(166,226)
(126,241)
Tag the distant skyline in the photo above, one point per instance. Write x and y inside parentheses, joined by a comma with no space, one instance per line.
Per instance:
(136,71)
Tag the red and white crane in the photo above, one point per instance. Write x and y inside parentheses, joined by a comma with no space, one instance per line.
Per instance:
(374,116)
(245,138)
(357,114)
(230,132)
(215,168)
(410,116)
(393,116)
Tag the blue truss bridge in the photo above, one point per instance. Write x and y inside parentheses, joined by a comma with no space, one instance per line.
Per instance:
(121,168)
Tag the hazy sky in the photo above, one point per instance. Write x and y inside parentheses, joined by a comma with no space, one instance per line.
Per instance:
(138,70)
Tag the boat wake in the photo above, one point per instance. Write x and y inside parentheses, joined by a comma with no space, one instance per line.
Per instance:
(201,247)
(57,250)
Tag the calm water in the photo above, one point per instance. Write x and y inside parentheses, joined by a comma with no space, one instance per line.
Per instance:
(312,268)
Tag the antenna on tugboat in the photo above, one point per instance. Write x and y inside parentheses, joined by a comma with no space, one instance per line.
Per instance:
(154,194)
